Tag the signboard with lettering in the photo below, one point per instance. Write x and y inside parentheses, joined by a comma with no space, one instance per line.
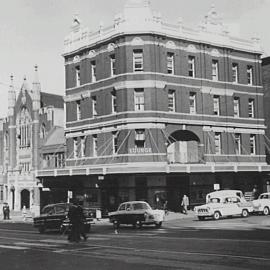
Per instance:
(137,150)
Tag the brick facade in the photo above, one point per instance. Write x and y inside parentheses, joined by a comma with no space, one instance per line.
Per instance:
(160,150)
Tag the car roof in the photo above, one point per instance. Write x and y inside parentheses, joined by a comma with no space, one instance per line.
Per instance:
(135,202)
(57,204)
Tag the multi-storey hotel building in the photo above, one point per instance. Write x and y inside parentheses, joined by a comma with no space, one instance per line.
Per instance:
(156,110)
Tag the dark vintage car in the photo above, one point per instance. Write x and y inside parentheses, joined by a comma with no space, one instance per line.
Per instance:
(137,213)
(54,217)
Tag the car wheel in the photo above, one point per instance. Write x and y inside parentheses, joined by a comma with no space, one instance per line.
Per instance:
(41,229)
(244,213)
(266,211)
(158,225)
(216,216)
(201,218)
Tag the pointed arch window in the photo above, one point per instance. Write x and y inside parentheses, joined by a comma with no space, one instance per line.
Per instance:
(24,128)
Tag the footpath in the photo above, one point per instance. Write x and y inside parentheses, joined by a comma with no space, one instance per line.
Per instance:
(17,217)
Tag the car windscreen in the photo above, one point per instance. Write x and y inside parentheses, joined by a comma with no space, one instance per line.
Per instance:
(140,206)
(214,200)
(264,196)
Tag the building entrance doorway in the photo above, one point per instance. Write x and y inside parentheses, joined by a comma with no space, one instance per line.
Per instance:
(177,186)
(25,198)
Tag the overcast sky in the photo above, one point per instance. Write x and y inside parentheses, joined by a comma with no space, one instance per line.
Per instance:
(32,31)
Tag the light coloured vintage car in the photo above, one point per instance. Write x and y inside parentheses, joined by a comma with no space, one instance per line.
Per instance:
(137,213)
(262,204)
(218,207)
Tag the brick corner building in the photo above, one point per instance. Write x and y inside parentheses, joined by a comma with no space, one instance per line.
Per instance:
(156,110)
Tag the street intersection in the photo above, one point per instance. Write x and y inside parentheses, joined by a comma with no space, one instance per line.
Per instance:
(180,244)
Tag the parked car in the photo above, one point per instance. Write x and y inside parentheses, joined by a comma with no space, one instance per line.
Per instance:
(223,207)
(54,217)
(224,193)
(262,204)
(137,213)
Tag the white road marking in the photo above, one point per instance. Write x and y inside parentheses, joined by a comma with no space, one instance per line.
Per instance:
(75,252)
(13,247)
(36,244)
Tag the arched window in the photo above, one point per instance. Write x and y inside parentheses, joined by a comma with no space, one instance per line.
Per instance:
(24,128)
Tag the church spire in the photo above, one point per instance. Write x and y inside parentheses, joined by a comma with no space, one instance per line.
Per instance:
(36,89)
(11,96)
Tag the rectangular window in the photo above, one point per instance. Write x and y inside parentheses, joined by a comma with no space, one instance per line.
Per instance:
(170,63)
(75,147)
(94,106)
(216,101)
(93,71)
(252,142)
(114,104)
(113,70)
(83,146)
(137,60)
(171,101)
(215,70)
(237,144)
(78,75)
(250,75)
(217,142)
(78,104)
(192,103)
(139,99)
(115,143)
(139,138)
(251,108)
(236,107)
(235,73)
(191,66)
(95,146)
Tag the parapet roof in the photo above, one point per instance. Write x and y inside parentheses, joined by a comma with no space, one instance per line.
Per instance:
(139,18)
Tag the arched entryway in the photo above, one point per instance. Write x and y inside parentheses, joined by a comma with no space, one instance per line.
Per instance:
(183,147)
(25,198)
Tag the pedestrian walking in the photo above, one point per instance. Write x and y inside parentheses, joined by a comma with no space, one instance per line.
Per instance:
(185,204)
(165,207)
(74,217)
(82,219)
(6,211)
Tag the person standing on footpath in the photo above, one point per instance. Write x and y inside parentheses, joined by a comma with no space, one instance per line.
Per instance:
(185,203)
(6,211)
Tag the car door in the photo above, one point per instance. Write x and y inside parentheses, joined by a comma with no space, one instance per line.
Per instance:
(49,220)
(129,215)
(60,214)
(230,208)
(236,206)
(121,212)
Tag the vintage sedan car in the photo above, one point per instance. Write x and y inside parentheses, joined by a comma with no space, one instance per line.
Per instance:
(223,207)
(137,213)
(54,217)
(262,204)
